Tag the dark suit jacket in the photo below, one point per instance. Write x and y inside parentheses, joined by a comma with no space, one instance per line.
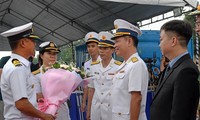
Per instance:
(177,96)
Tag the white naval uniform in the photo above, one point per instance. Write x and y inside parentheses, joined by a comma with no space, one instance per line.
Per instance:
(132,75)
(16,83)
(101,104)
(88,64)
(63,110)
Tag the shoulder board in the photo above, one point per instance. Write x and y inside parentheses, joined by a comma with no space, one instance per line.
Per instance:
(118,62)
(134,59)
(36,72)
(96,62)
(16,62)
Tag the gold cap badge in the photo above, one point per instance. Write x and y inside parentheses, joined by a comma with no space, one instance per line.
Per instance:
(103,37)
(51,44)
(90,36)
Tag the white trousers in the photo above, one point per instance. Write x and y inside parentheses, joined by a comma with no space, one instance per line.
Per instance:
(63,112)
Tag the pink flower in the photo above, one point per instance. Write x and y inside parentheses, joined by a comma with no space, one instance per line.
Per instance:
(57,86)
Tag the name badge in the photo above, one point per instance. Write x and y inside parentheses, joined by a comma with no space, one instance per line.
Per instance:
(111,73)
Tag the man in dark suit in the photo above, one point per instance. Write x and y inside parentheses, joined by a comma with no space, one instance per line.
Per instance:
(177,93)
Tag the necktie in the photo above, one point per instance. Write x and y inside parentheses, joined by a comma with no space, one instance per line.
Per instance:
(165,74)
(166,71)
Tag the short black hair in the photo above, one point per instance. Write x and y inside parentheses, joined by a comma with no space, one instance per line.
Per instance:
(135,40)
(179,27)
(91,42)
(13,44)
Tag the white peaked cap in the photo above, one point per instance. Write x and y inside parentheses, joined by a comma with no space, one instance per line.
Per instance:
(125,28)
(91,37)
(105,39)
(17,30)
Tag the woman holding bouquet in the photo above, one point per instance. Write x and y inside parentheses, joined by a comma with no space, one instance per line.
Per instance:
(47,57)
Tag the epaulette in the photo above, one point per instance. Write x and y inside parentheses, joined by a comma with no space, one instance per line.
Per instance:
(118,62)
(134,59)
(36,72)
(16,62)
(96,62)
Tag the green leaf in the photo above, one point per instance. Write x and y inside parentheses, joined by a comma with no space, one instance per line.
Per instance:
(56,65)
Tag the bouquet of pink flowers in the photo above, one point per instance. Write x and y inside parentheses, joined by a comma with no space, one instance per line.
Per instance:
(57,86)
(58,83)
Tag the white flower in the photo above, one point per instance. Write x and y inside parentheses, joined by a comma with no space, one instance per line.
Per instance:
(64,66)
(75,69)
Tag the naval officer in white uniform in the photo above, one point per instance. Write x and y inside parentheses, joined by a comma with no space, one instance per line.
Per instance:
(48,52)
(131,81)
(17,85)
(103,73)
(92,41)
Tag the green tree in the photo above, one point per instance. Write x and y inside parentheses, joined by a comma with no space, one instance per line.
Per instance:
(191,19)
(67,54)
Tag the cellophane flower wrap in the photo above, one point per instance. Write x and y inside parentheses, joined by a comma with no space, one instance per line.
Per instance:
(87,78)
(57,86)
